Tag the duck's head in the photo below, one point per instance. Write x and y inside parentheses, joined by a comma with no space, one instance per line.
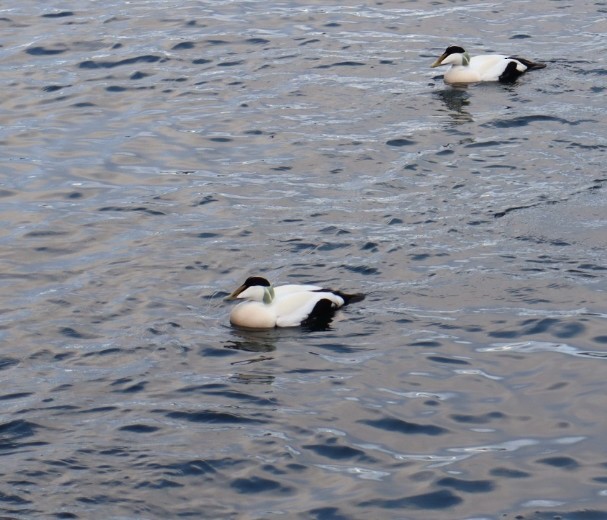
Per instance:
(453,55)
(254,288)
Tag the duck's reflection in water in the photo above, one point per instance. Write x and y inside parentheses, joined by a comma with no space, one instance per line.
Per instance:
(456,98)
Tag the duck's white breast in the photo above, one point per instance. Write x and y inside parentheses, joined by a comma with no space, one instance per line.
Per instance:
(254,315)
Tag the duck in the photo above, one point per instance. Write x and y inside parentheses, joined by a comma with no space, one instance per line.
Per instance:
(486,67)
(267,307)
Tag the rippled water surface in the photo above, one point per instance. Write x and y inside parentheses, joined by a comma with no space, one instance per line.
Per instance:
(155,154)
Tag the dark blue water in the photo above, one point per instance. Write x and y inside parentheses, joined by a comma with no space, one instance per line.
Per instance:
(155,155)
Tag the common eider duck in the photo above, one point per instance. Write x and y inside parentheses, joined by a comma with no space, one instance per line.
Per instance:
(486,67)
(267,307)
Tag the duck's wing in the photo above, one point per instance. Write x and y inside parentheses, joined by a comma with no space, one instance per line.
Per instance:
(296,308)
(285,290)
(489,66)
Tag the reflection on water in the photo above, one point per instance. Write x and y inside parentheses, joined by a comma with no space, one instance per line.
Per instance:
(253,340)
(150,158)
(456,99)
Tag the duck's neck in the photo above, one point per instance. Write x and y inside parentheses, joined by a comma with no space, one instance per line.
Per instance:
(268,294)
(465,59)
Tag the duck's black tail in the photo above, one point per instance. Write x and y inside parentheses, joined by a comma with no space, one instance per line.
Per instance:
(350,298)
(511,72)
(347,297)
(531,65)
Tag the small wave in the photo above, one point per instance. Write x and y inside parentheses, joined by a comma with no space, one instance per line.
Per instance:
(210,417)
(393,424)
(544,346)
(441,499)
(108,64)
